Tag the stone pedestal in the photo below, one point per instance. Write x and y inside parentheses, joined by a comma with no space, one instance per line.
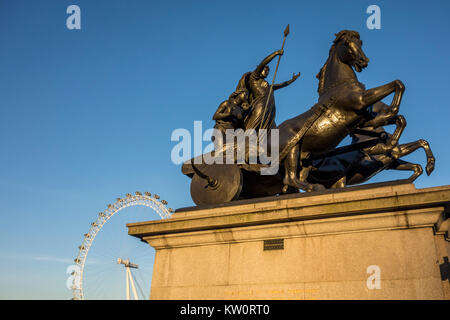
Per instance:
(380,241)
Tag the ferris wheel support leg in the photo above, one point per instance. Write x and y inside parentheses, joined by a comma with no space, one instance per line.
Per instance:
(133,287)
(128,284)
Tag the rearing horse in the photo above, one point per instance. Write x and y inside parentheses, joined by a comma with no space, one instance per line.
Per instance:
(343,105)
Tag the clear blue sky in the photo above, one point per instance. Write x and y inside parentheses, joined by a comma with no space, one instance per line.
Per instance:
(86,115)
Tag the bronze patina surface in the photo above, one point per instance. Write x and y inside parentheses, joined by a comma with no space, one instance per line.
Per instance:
(309,159)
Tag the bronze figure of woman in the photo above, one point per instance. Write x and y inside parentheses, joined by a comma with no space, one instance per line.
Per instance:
(261,114)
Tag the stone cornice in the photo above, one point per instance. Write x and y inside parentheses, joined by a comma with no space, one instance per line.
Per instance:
(399,202)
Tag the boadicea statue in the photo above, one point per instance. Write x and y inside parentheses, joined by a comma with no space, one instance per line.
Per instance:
(307,156)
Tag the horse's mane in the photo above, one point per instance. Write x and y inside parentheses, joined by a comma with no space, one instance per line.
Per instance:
(341,35)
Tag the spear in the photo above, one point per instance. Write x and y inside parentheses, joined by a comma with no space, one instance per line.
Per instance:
(286,32)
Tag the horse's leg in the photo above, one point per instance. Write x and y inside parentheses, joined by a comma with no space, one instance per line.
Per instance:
(373,95)
(340,183)
(400,122)
(392,141)
(293,159)
(290,165)
(430,157)
(308,187)
(405,149)
(290,168)
(303,176)
(368,167)
(403,165)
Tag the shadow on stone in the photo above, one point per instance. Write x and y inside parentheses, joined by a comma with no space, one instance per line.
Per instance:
(445,270)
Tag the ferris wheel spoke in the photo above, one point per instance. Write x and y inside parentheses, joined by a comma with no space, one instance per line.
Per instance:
(137,281)
(96,286)
(141,256)
(103,270)
(105,257)
(145,286)
(98,283)
(94,276)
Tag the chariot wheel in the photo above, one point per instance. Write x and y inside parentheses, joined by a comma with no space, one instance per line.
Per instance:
(216,183)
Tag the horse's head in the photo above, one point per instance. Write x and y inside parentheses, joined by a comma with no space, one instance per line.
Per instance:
(348,47)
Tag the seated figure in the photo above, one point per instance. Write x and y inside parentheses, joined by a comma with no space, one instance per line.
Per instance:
(231,112)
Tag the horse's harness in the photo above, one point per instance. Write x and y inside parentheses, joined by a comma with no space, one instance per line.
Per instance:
(319,110)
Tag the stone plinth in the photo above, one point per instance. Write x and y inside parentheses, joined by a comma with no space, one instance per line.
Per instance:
(328,245)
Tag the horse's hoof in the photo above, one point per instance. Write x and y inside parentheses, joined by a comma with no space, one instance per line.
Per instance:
(430,166)
(318,187)
(314,187)
(285,188)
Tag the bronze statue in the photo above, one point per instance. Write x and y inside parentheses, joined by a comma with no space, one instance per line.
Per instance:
(262,109)
(383,153)
(308,158)
(342,107)
(230,113)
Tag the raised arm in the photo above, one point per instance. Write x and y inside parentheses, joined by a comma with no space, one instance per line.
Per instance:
(267,60)
(286,83)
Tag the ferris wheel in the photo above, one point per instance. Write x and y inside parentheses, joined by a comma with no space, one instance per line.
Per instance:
(138,199)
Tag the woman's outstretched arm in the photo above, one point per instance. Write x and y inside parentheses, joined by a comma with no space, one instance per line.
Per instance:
(286,83)
(266,61)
